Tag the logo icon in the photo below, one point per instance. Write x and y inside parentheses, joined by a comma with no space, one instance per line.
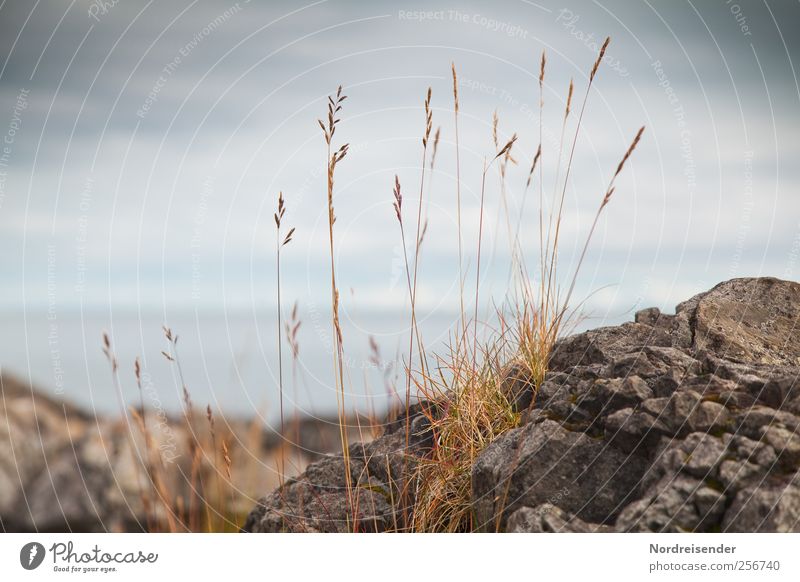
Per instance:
(31,555)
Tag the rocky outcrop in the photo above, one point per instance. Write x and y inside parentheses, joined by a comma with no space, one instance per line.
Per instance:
(684,422)
(317,500)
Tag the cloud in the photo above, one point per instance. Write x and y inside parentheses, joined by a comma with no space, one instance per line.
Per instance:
(238,108)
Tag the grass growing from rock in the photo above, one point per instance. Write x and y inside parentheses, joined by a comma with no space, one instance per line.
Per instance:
(470,394)
(474,411)
(471,391)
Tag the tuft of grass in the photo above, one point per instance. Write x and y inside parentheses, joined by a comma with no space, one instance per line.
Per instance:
(465,391)
(470,391)
(193,492)
(468,410)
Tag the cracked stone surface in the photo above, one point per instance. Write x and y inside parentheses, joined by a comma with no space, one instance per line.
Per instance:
(684,422)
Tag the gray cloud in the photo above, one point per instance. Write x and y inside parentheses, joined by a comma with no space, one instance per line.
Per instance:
(155,137)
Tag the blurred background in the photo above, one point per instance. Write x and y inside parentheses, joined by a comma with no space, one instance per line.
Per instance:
(144,145)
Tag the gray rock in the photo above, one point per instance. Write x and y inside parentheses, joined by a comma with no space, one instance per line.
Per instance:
(703,454)
(750,320)
(676,504)
(765,508)
(647,316)
(685,422)
(545,463)
(517,387)
(614,394)
(62,469)
(777,391)
(630,430)
(548,518)
(786,442)
(318,501)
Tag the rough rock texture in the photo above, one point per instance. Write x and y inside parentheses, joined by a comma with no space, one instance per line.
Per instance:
(547,518)
(685,422)
(317,501)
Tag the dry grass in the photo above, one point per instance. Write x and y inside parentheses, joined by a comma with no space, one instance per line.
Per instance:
(280,242)
(473,408)
(192,494)
(466,387)
(475,411)
(334,157)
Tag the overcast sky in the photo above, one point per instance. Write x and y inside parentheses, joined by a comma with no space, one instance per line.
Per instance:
(161,133)
(145,144)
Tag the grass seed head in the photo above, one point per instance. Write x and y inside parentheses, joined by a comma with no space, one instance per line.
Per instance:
(599,58)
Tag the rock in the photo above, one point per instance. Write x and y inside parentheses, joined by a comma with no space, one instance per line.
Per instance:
(517,387)
(776,392)
(33,429)
(786,442)
(764,509)
(544,463)
(738,473)
(685,422)
(548,518)
(58,501)
(648,316)
(62,469)
(703,453)
(318,501)
(630,429)
(751,321)
(674,505)
(752,422)
(610,395)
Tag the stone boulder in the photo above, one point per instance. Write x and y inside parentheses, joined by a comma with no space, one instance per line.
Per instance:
(674,423)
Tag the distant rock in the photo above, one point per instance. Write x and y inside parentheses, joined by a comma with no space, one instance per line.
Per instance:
(63,469)
(674,423)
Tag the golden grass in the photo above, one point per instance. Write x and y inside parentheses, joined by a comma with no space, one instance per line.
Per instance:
(467,412)
(280,242)
(465,390)
(334,157)
(194,494)
(473,406)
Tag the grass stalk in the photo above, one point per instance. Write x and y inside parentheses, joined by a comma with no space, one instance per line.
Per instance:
(280,242)
(458,202)
(333,158)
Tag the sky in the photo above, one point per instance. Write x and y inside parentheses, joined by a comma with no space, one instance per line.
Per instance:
(145,143)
